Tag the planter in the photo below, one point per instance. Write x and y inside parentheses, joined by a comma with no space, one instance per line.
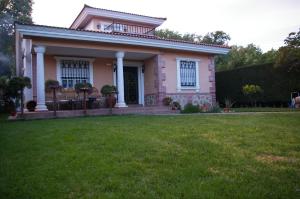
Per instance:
(13,113)
(226,110)
(111,101)
(30,105)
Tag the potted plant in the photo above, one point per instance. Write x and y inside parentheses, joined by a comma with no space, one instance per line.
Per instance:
(30,105)
(53,85)
(85,88)
(167,101)
(109,92)
(16,87)
(228,105)
(175,106)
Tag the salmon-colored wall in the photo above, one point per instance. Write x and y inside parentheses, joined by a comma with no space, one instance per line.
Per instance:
(50,67)
(149,76)
(171,71)
(102,71)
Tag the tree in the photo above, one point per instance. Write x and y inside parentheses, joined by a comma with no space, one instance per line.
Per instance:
(289,55)
(16,87)
(11,11)
(218,37)
(269,56)
(168,34)
(239,56)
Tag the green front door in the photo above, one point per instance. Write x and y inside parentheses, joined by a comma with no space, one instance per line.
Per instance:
(131,85)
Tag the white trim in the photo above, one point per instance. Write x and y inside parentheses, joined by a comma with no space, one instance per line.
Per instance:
(91,12)
(51,32)
(179,87)
(58,68)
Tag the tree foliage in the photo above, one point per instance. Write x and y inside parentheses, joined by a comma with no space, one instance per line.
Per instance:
(289,55)
(240,56)
(217,37)
(11,11)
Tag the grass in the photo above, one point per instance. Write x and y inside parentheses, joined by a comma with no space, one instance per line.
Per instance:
(265,109)
(186,156)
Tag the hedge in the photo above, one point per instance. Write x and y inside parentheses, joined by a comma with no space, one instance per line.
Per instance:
(276,83)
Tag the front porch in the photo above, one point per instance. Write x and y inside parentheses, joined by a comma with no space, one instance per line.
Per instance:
(96,64)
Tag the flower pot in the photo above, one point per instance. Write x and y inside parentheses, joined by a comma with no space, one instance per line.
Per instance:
(226,110)
(111,101)
(13,113)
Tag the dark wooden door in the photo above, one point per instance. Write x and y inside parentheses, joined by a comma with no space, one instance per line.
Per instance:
(131,85)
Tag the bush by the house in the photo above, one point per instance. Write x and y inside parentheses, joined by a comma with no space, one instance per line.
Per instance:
(190,108)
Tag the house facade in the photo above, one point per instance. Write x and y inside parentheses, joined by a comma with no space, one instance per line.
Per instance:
(110,47)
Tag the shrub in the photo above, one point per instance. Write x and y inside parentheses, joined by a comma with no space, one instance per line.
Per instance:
(215,109)
(190,108)
(167,101)
(30,105)
(107,90)
(80,86)
(51,84)
(277,83)
(228,103)
(252,91)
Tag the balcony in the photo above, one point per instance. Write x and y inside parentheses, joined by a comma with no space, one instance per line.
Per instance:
(127,28)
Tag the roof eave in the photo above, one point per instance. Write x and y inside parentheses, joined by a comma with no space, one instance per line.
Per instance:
(90,11)
(59,33)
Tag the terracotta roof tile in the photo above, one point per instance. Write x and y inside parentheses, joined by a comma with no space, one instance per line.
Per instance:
(163,18)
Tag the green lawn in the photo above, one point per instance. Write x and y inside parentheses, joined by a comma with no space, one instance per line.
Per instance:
(185,156)
(265,109)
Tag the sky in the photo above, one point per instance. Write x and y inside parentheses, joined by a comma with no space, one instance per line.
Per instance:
(266,23)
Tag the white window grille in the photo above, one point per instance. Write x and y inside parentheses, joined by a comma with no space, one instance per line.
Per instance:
(187,74)
(73,72)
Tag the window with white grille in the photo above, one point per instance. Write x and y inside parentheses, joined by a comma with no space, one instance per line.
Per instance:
(74,71)
(187,74)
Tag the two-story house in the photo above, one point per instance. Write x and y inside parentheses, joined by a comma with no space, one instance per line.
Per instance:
(110,47)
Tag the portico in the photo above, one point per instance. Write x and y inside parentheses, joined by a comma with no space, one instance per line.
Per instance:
(104,67)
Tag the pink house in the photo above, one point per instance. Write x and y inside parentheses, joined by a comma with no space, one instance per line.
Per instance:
(102,44)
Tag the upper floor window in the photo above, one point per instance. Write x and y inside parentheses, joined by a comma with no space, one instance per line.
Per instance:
(73,71)
(187,74)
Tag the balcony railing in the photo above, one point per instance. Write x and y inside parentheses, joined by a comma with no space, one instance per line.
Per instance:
(132,29)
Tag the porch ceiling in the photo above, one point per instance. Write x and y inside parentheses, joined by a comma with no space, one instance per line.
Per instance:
(83,52)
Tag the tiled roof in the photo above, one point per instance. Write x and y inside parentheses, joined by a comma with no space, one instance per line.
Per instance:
(87,6)
(132,35)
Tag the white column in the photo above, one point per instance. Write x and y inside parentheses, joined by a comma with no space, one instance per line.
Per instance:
(40,78)
(27,61)
(120,80)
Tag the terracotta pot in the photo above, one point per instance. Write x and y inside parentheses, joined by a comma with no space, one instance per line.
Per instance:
(226,110)
(111,101)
